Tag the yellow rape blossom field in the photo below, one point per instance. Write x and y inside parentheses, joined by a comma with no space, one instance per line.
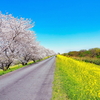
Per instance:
(76,80)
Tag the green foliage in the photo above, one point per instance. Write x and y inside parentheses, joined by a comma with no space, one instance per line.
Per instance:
(89,59)
(91,55)
(94,52)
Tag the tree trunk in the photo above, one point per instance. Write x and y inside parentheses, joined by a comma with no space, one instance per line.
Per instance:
(8,65)
(34,60)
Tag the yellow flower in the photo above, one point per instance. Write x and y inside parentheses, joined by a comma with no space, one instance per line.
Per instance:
(99,94)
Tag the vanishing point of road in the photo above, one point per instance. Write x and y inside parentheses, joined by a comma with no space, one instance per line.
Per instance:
(33,82)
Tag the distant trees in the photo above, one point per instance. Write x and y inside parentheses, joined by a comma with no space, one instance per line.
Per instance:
(17,41)
(94,52)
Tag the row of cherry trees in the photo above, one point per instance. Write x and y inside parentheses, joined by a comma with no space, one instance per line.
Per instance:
(18,42)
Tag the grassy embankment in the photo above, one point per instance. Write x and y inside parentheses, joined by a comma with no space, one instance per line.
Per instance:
(89,59)
(15,67)
(76,80)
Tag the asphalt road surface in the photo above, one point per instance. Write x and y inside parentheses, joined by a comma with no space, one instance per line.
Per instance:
(33,82)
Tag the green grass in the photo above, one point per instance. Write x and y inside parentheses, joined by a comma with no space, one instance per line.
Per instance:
(89,59)
(15,67)
(12,68)
(76,80)
(58,88)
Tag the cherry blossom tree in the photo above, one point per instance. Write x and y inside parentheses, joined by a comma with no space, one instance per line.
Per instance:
(17,41)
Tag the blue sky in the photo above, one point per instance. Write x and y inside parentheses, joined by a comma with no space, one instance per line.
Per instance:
(60,25)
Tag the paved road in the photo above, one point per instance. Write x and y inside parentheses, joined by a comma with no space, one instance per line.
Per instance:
(33,82)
